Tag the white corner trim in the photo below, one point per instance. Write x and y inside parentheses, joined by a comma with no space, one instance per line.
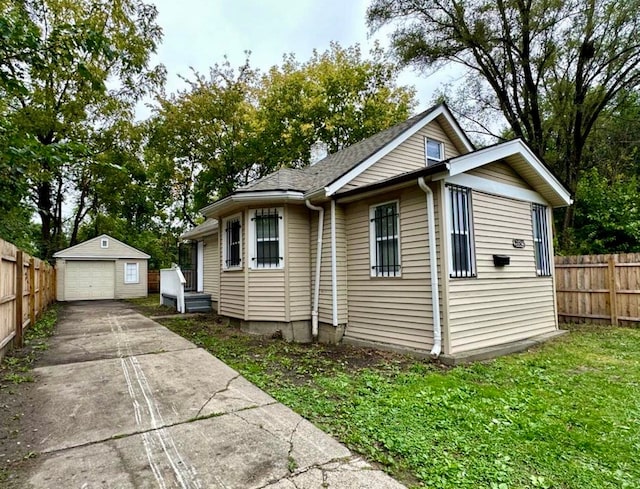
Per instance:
(401,138)
(465,163)
(496,188)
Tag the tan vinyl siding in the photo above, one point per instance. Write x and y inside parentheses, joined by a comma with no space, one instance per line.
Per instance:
(408,156)
(127,291)
(502,173)
(497,222)
(501,304)
(299,265)
(393,310)
(211,266)
(266,295)
(325,310)
(232,282)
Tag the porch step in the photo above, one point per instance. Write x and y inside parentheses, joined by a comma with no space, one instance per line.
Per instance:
(193,301)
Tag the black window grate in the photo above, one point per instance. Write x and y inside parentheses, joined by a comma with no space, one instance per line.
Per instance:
(541,240)
(267,227)
(462,252)
(233,243)
(386,248)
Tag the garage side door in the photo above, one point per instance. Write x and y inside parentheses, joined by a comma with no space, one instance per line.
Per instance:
(86,280)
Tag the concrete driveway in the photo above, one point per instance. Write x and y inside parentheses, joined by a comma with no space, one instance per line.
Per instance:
(125,403)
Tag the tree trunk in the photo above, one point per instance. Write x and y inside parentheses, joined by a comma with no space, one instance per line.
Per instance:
(44,211)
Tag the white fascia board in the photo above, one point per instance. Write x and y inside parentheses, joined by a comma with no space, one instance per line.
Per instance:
(481,157)
(496,188)
(457,129)
(385,150)
(254,197)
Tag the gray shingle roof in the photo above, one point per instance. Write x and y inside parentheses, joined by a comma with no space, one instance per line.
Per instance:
(329,169)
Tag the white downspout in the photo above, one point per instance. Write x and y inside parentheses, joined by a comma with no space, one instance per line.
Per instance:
(316,291)
(435,299)
(334,276)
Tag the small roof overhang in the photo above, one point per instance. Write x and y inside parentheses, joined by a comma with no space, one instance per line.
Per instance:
(241,199)
(208,227)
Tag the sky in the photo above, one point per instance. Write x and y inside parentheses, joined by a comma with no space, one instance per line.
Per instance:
(199,33)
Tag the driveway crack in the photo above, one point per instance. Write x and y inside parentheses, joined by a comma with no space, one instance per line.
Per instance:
(226,388)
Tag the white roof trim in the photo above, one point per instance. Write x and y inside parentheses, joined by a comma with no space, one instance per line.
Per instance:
(253,197)
(65,253)
(467,162)
(442,110)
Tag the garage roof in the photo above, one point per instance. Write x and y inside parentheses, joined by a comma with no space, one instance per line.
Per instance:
(101,247)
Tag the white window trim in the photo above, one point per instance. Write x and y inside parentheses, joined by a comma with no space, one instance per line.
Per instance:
(373,241)
(426,150)
(104,243)
(472,238)
(137,280)
(223,233)
(252,240)
(545,225)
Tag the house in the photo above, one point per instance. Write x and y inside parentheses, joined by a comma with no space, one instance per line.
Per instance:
(101,268)
(411,239)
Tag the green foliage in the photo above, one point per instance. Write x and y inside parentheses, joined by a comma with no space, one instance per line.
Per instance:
(550,68)
(564,415)
(607,214)
(69,70)
(235,125)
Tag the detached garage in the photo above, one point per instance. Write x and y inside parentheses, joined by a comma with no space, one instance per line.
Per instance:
(101,268)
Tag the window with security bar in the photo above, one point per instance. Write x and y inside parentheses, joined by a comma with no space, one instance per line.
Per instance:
(541,240)
(385,240)
(233,242)
(267,228)
(462,248)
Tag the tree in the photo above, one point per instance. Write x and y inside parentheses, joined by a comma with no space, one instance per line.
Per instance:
(83,68)
(550,67)
(236,125)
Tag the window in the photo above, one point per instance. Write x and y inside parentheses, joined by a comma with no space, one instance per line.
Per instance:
(434,151)
(267,238)
(461,243)
(131,273)
(104,243)
(384,232)
(541,239)
(232,242)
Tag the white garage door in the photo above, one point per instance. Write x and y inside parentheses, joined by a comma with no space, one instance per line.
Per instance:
(86,280)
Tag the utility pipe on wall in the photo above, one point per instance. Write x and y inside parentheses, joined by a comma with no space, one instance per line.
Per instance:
(316,291)
(435,298)
(334,276)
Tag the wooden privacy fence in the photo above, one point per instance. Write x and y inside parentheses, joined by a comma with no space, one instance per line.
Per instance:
(598,288)
(27,287)
(153,281)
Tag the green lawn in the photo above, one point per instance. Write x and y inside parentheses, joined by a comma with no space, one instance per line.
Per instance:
(566,415)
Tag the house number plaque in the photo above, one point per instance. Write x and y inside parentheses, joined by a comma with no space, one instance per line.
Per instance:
(518,243)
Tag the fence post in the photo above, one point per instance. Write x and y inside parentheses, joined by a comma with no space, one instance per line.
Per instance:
(32,291)
(613,290)
(19,296)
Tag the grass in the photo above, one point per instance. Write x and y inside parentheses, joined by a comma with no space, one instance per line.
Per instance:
(565,415)
(16,365)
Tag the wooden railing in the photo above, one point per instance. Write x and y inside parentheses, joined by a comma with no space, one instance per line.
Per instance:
(598,288)
(27,288)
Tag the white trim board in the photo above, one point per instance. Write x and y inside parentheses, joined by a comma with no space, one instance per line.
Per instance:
(496,188)
(393,144)
(465,163)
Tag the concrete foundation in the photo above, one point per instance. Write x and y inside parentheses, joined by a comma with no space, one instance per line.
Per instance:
(294,331)
(330,334)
